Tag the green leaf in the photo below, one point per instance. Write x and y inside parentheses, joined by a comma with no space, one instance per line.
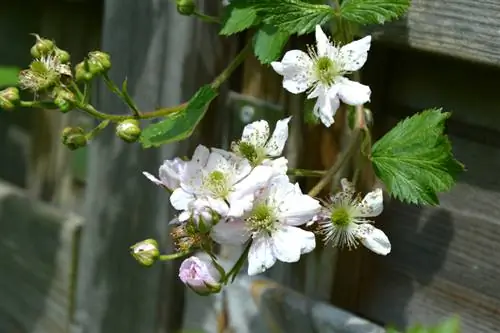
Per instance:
(373,11)
(180,125)
(268,43)
(9,76)
(451,325)
(415,160)
(292,16)
(237,19)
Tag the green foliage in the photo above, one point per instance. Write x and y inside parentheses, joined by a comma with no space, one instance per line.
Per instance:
(373,11)
(415,160)
(268,43)
(451,325)
(181,125)
(291,16)
(8,76)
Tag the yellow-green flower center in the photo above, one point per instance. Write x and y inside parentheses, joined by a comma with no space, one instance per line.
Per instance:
(255,155)
(216,182)
(326,70)
(341,217)
(262,218)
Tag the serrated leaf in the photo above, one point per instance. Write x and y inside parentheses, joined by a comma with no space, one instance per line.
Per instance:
(237,19)
(268,43)
(181,125)
(373,11)
(292,16)
(415,161)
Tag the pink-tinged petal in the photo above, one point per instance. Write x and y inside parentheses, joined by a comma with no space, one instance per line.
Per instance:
(233,232)
(373,239)
(181,199)
(354,93)
(256,133)
(261,255)
(372,204)
(353,55)
(275,145)
(200,275)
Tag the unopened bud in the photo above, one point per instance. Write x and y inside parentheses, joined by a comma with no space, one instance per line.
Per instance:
(129,130)
(74,137)
(65,100)
(202,276)
(186,7)
(82,72)
(42,47)
(62,55)
(146,252)
(99,62)
(9,98)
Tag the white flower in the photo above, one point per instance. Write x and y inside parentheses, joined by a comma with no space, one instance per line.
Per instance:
(225,182)
(322,71)
(344,223)
(273,226)
(170,172)
(259,147)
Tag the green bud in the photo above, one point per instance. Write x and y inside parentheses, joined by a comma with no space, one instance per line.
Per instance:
(82,72)
(74,137)
(129,130)
(99,62)
(146,252)
(62,55)
(9,98)
(42,47)
(186,7)
(64,99)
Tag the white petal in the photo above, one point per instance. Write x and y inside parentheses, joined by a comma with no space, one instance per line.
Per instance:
(153,178)
(200,155)
(324,48)
(372,204)
(230,232)
(374,239)
(184,216)
(238,207)
(278,67)
(326,105)
(275,145)
(171,171)
(354,93)
(258,178)
(290,242)
(279,165)
(218,205)
(218,162)
(299,209)
(181,199)
(353,55)
(261,255)
(256,133)
(296,71)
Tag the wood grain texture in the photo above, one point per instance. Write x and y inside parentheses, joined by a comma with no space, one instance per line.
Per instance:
(37,263)
(460,28)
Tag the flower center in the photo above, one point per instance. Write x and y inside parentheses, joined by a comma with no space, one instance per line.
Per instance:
(340,217)
(255,155)
(216,182)
(326,70)
(262,219)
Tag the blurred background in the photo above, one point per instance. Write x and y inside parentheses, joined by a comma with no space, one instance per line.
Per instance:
(67,219)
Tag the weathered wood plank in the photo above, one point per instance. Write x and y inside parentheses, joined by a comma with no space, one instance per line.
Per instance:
(460,28)
(37,264)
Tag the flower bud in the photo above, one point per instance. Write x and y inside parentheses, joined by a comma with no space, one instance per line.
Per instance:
(62,55)
(82,72)
(128,130)
(202,276)
(65,100)
(9,98)
(186,7)
(99,62)
(74,137)
(42,47)
(146,252)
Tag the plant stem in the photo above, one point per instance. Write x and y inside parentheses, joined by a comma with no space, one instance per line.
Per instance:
(343,158)
(77,90)
(124,97)
(305,173)
(102,125)
(167,257)
(226,73)
(238,264)
(206,18)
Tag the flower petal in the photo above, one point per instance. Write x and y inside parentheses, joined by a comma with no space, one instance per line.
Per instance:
(290,242)
(232,232)
(279,165)
(257,178)
(373,239)
(200,155)
(275,145)
(153,178)
(372,204)
(353,93)
(278,67)
(256,133)
(353,55)
(171,171)
(296,70)
(324,47)
(261,255)
(327,104)
(238,207)
(181,199)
